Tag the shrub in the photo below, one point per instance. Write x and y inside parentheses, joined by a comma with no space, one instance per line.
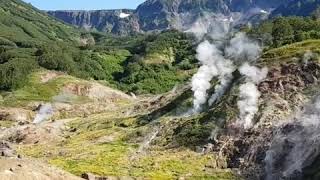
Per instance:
(14,72)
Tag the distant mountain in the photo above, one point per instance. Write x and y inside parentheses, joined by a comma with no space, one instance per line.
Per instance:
(157,15)
(297,8)
(113,21)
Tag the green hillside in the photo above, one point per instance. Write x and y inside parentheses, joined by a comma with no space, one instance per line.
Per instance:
(23,31)
(29,40)
(21,23)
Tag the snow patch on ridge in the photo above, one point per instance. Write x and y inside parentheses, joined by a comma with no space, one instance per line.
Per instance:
(124,15)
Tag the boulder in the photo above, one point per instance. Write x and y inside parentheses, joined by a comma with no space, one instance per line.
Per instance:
(90,176)
(6,150)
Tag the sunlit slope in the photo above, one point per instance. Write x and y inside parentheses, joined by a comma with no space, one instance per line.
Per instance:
(21,23)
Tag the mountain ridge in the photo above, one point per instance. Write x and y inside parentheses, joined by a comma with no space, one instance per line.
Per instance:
(102,20)
(158,15)
(297,8)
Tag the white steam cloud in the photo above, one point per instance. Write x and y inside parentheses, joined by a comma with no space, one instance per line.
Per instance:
(220,59)
(252,73)
(45,112)
(248,103)
(217,27)
(213,64)
(249,93)
(308,55)
(242,49)
(296,144)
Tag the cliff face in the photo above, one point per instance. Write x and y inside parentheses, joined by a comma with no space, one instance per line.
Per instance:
(112,21)
(157,15)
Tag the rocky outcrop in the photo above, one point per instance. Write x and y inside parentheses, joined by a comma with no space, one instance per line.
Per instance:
(15,114)
(282,96)
(6,150)
(89,176)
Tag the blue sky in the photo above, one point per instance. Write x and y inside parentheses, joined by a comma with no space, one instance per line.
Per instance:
(84,4)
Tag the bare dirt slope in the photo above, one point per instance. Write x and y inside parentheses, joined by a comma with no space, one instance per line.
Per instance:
(31,169)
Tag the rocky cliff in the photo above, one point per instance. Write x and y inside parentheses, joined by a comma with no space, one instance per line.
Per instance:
(112,21)
(157,15)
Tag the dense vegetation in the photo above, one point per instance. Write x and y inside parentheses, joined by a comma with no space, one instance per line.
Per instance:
(143,72)
(286,30)
(160,65)
(23,29)
(29,40)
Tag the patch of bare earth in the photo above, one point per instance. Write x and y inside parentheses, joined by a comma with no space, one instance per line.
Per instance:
(35,133)
(46,77)
(31,169)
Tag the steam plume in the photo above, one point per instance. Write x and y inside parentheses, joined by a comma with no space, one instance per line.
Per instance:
(44,113)
(211,58)
(217,27)
(296,144)
(248,103)
(219,60)
(213,64)
(242,49)
(249,93)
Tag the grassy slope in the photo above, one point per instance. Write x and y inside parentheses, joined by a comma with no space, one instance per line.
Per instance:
(107,144)
(20,22)
(34,90)
(286,53)
(117,156)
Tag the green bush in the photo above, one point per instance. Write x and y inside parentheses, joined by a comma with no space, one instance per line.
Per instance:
(286,30)
(13,74)
(193,134)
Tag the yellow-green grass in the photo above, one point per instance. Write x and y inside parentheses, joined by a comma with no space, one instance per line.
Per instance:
(159,59)
(164,57)
(86,150)
(171,164)
(6,124)
(286,53)
(117,159)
